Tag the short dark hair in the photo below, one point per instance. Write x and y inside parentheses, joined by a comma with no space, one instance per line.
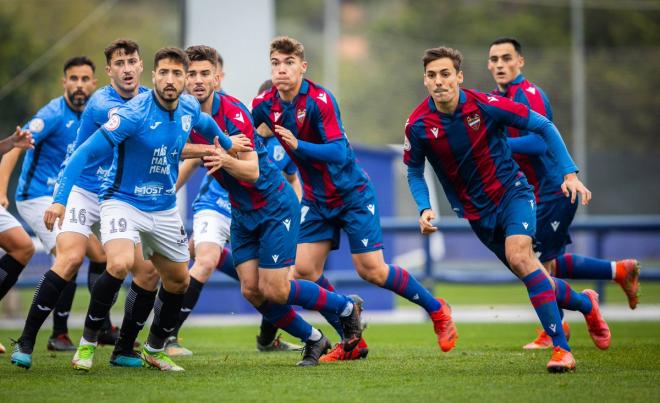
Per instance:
(443,52)
(288,46)
(199,53)
(220,60)
(516,45)
(264,86)
(174,54)
(127,45)
(79,61)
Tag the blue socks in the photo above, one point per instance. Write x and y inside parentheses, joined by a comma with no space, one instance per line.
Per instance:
(567,298)
(310,296)
(544,302)
(575,266)
(405,285)
(285,318)
(332,318)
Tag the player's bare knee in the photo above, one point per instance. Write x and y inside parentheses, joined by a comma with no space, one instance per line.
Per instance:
(23,252)
(69,260)
(119,267)
(273,293)
(251,293)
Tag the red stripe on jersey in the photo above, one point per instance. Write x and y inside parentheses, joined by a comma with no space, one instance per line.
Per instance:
(499,102)
(323,101)
(481,152)
(534,98)
(442,151)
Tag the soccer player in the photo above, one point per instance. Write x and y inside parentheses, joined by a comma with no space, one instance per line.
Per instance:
(554,213)
(14,240)
(212,211)
(461,133)
(264,227)
(337,193)
(124,67)
(54,131)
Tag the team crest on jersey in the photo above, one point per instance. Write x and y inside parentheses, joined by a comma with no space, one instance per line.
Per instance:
(186,121)
(300,115)
(112,123)
(36,125)
(278,153)
(474,121)
(112,111)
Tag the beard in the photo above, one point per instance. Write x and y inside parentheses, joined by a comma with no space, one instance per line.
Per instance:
(77,98)
(169,96)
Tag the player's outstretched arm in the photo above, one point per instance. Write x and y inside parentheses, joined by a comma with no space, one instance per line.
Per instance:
(95,146)
(531,144)
(207,127)
(21,139)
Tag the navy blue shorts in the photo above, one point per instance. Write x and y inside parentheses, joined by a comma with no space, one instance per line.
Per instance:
(516,215)
(358,217)
(553,218)
(270,233)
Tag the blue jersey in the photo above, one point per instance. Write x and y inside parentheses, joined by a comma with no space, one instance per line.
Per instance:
(313,116)
(541,170)
(278,155)
(101,105)
(233,118)
(54,131)
(148,140)
(212,196)
(468,150)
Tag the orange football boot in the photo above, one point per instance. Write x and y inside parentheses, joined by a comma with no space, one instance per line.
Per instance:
(444,327)
(627,276)
(545,341)
(338,353)
(598,329)
(561,361)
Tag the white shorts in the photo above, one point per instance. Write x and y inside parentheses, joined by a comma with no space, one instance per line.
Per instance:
(7,221)
(82,213)
(32,211)
(211,226)
(161,232)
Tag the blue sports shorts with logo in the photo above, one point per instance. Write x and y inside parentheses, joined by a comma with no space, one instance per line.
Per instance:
(269,233)
(358,217)
(516,215)
(553,218)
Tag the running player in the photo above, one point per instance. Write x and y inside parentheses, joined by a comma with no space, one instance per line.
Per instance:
(554,213)
(124,67)
(212,210)
(14,240)
(461,133)
(265,222)
(54,130)
(337,193)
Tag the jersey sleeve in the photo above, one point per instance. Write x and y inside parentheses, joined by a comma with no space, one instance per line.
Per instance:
(260,113)
(239,122)
(121,125)
(413,155)
(328,121)
(505,111)
(43,124)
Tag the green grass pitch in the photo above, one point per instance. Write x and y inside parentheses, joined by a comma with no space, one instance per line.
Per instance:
(404,364)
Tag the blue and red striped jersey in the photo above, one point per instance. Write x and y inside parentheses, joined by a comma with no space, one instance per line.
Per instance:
(468,149)
(541,170)
(313,116)
(234,118)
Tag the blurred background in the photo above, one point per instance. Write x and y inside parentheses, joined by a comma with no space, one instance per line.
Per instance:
(597,60)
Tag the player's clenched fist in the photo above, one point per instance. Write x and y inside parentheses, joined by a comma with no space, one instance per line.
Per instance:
(425,222)
(287,137)
(54,213)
